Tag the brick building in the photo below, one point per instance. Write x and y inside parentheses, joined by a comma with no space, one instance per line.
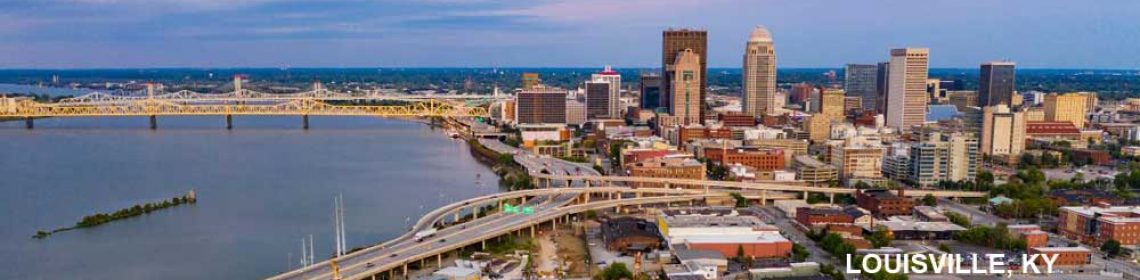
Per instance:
(1095,225)
(760,159)
(1066,256)
(737,119)
(884,203)
(811,217)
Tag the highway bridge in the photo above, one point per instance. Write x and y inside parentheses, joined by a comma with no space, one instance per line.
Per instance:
(245,102)
(764,187)
(551,206)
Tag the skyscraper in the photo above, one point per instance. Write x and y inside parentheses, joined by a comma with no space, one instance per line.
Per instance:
(996,85)
(598,100)
(759,74)
(650,86)
(882,76)
(860,80)
(541,106)
(614,79)
(686,77)
(673,43)
(906,92)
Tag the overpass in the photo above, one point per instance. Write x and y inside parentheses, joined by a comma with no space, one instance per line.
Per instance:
(763,187)
(245,102)
(395,255)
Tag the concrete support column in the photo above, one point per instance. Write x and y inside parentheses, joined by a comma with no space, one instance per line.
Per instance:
(831,196)
(483,244)
(763,197)
(153,122)
(229,121)
(476,212)
(29,123)
(405,270)
(523,200)
(439,260)
(805,195)
(457,216)
(554,224)
(305,121)
(531,231)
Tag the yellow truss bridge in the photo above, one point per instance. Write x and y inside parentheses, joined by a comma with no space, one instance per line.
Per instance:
(318,102)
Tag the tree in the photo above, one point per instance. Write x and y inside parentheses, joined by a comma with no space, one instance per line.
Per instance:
(799,253)
(1111,248)
(943,247)
(929,200)
(616,271)
(741,201)
(880,238)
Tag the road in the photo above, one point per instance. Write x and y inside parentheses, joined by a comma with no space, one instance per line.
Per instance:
(976,216)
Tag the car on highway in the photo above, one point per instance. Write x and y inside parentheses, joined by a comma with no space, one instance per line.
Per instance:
(369,265)
(442,240)
(393,255)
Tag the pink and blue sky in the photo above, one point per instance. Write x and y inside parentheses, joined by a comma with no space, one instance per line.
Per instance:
(556,33)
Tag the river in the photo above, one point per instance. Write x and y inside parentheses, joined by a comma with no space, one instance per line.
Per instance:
(261,187)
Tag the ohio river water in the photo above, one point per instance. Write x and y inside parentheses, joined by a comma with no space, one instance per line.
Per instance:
(261,187)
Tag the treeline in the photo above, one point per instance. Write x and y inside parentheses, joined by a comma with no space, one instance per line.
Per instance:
(137,210)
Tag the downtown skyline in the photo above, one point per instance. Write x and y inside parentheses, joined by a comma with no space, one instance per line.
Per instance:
(457,33)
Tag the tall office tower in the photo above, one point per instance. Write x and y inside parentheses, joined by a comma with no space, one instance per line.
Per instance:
(686,76)
(650,86)
(996,85)
(614,79)
(1003,131)
(882,73)
(759,74)
(530,81)
(906,92)
(831,103)
(1070,107)
(860,80)
(598,100)
(541,106)
(673,43)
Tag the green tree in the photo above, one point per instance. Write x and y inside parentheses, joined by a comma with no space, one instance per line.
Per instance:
(799,253)
(1111,248)
(617,271)
(929,200)
(880,238)
(741,201)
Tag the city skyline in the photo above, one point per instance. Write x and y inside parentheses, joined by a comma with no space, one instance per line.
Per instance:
(457,33)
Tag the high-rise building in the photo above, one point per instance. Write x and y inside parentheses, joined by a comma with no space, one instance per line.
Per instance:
(831,103)
(541,106)
(1003,131)
(673,43)
(801,94)
(858,158)
(860,80)
(650,86)
(759,74)
(614,79)
(687,76)
(530,81)
(943,157)
(1070,107)
(598,100)
(996,85)
(882,84)
(575,112)
(906,93)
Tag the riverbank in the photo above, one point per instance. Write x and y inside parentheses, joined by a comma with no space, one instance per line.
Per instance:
(512,176)
(137,210)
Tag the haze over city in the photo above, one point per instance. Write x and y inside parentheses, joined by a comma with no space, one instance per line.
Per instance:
(489,33)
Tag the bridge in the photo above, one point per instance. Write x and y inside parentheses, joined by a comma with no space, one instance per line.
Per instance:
(763,187)
(245,102)
(552,206)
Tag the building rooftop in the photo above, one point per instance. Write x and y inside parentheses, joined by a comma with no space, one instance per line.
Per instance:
(1112,214)
(680,221)
(760,34)
(1062,249)
(906,225)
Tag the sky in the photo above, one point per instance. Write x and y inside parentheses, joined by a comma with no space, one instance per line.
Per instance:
(557,33)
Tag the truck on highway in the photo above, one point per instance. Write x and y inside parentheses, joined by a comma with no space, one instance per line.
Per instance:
(425,234)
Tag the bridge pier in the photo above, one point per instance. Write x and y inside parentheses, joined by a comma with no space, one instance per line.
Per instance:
(304,121)
(153,122)
(831,196)
(29,123)
(229,122)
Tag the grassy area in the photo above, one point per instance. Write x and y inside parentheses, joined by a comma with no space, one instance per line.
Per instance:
(509,244)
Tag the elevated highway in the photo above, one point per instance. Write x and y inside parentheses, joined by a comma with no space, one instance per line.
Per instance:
(761,186)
